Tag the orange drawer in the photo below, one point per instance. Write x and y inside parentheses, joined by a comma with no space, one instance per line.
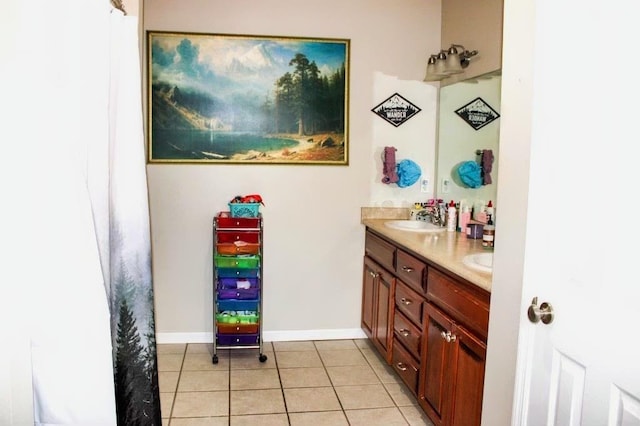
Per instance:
(238,328)
(410,270)
(468,305)
(409,302)
(380,250)
(406,367)
(407,333)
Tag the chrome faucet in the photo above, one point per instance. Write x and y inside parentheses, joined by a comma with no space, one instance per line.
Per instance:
(436,214)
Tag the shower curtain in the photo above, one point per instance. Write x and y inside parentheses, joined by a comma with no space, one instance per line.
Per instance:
(82,232)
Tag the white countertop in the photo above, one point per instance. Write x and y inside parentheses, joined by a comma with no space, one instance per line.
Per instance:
(447,249)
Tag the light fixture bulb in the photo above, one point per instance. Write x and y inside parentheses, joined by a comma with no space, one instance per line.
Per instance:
(431,70)
(441,64)
(453,63)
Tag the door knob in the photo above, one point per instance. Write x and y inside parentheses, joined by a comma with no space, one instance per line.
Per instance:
(543,313)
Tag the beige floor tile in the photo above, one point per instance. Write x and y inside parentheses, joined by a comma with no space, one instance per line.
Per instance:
(342,357)
(243,360)
(171,348)
(304,377)
(294,346)
(319,418)
(201,404)
(165,422)
(168,380)
(298,359)
(311,399)
(201,348)
(166,403)
(195,381)
(169,362)
(415,416)
(262,401)
(201,421)
(260,420)
(335,345)
(400,394)
(386,374)
(365,396)
(352,375)
(363,343)
(375,417)
(202,362)
(255,379)
(373,357)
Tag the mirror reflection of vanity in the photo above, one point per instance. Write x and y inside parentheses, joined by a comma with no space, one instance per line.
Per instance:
(459,141)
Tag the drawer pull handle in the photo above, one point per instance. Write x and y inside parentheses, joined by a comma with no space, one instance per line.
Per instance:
(405,301)
(401,366)
(448,336)
(405,332)
(407,269)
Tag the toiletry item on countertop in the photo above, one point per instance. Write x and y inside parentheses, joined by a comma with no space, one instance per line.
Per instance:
(474,230)
(464,216)
(488,236)
(451,217)
(490,212)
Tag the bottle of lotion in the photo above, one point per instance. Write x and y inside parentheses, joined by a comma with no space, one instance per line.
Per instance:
(451,217)
(465,217)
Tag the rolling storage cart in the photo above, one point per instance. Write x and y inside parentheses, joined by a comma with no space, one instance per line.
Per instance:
(237,281)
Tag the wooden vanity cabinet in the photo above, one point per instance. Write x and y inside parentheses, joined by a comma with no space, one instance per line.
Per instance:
(452,378)
(377,294)
(431,327)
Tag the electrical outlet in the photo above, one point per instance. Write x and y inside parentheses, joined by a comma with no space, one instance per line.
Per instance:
(446,183)
(424,185)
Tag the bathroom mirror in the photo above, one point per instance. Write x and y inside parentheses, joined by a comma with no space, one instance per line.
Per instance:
(462,137)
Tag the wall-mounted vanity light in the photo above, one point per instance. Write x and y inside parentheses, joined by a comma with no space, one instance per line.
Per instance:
(448,62)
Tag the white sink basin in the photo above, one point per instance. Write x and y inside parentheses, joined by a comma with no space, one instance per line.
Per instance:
(479,261)
(414,226)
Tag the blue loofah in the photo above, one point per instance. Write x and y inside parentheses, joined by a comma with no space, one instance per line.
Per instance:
(470,174)
(408,173)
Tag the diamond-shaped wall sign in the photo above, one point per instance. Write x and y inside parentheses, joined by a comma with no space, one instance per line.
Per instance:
(477,113)
(396,109)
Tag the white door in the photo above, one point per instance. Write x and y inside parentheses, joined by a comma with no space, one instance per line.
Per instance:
(581,252)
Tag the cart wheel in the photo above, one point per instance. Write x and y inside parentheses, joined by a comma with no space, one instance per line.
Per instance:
(214,359)
(262,357)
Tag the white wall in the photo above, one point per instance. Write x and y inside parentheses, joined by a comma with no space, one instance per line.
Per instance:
(313,236)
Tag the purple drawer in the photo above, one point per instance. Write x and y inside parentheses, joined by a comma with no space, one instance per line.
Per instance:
(233,283)
(238,339)
(240,294)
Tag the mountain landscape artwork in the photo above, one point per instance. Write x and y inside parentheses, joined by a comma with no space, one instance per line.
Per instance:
(247,99)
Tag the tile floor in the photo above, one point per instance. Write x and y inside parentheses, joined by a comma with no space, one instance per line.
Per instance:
(315,383)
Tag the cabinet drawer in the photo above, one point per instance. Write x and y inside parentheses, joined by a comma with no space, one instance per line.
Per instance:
(407,333)
(380,250)
(233,236)
(224,220)
(409,302)
(406,367)
(238,339)
(410,270)
(466,307)
(238,328)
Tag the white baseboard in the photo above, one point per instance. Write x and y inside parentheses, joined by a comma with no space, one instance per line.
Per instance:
(269,336)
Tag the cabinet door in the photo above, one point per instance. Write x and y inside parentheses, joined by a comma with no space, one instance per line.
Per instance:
(434,386)
(382,332)
(368,292)
(469,357)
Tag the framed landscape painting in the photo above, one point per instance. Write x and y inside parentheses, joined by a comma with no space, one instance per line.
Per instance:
(233,99)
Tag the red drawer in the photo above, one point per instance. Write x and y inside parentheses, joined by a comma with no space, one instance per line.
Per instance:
(238,328)
(224,220)
(233,236)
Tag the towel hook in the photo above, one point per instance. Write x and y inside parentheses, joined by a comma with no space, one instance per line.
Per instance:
(479,151)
